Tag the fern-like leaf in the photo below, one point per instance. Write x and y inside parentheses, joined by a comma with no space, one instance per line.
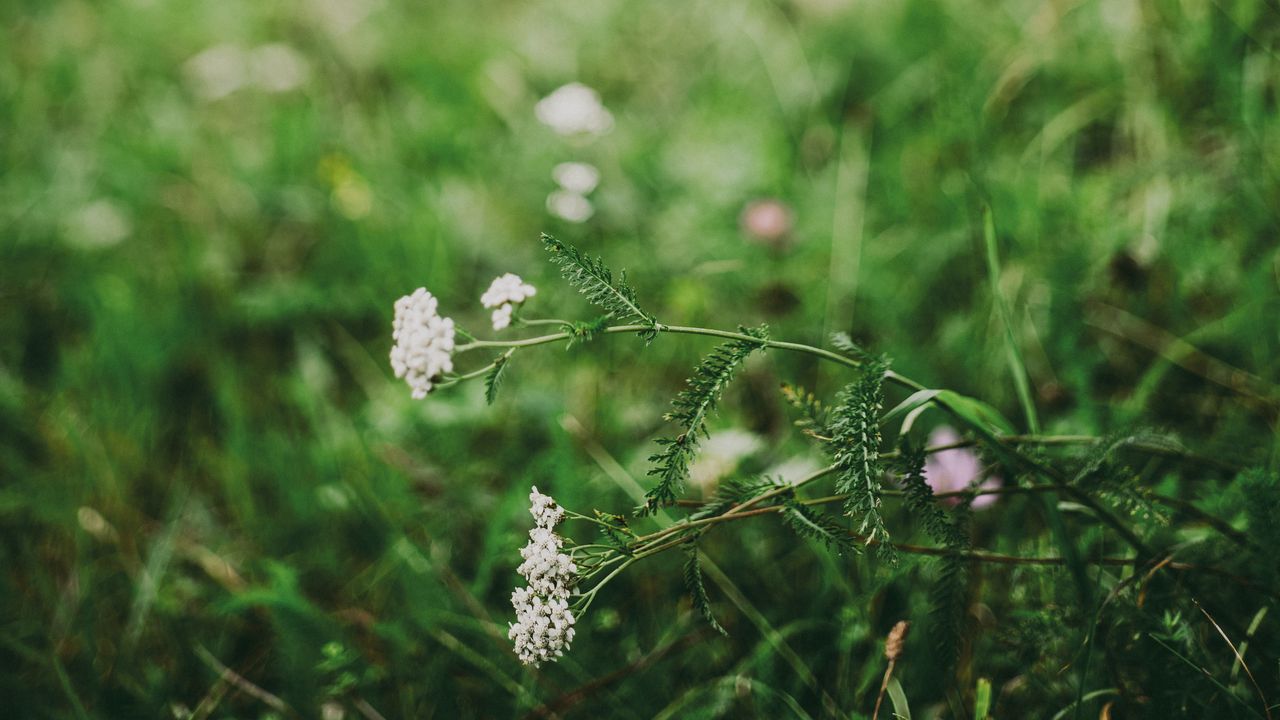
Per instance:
(855,448)
(690,410)
(813,414)
(493,378)
(1104,473)
(697,590)
(949,595)
(920,500)
(735,491)
(594,280)
(614,529)
(812,523)
(584,331)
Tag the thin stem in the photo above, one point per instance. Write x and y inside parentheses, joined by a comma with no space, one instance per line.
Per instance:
(590,595)
(548,322)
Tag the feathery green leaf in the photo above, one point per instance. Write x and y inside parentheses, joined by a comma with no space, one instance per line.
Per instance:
(813,414)
(690,410)
(594,280)
(855,447)
(735,491)
(814,524)
(697,590)
(949,595)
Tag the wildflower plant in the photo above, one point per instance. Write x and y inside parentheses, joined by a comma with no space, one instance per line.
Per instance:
(875,455)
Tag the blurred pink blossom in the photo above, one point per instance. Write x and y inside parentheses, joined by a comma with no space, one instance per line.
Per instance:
(956,470)
(767,221)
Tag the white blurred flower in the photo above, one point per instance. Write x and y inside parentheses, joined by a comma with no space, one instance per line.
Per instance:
(340,16)
(574,109)
(99,224)
(576,177)
(721,454)
(278,68)
(424,342)
(570,206)
(506,293)
(794,469)
(956,470)
(218,71)
(221,70)
(543,628)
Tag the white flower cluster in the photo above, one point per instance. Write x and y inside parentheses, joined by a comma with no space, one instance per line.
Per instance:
(576,181)
(424,342)
(543,628)
(575,110)
(504,294)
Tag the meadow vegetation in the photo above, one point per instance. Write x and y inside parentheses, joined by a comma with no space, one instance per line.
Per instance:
(217,501)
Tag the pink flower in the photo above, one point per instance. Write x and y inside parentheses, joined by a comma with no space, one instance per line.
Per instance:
(956,470)
(767,221)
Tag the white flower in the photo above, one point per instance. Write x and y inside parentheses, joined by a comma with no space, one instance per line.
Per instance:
(570,206)
(504,294)
(278,68)
(502,317)
(544,624)
(543,628)
(424,342)
(576,177)
(508,288)
(574,109)
(546,513)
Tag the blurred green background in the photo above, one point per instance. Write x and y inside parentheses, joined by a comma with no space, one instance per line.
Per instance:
(208,208)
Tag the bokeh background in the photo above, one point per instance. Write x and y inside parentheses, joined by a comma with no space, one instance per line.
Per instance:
(208,208)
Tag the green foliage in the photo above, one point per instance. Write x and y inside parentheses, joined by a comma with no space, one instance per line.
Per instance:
(493,378)
(950,594)
(920,501)
(1107,473)
(735,491)
(697,590)
(690,410)
(595,281)
(1261,490)
(614,529)
(584,331)
(813,414)
(855,447)
(197,269)
(812,523)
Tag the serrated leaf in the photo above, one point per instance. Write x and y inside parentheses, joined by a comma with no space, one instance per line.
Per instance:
(697,590)
(493,378)
(735,491)
(812,523)
(591,277)
(855,448)
(813,415)
(690,410)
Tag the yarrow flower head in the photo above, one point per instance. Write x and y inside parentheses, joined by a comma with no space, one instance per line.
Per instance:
(506,293)
(543,628)
(424,342)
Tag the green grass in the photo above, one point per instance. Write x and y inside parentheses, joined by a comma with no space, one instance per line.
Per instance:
(203,453)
